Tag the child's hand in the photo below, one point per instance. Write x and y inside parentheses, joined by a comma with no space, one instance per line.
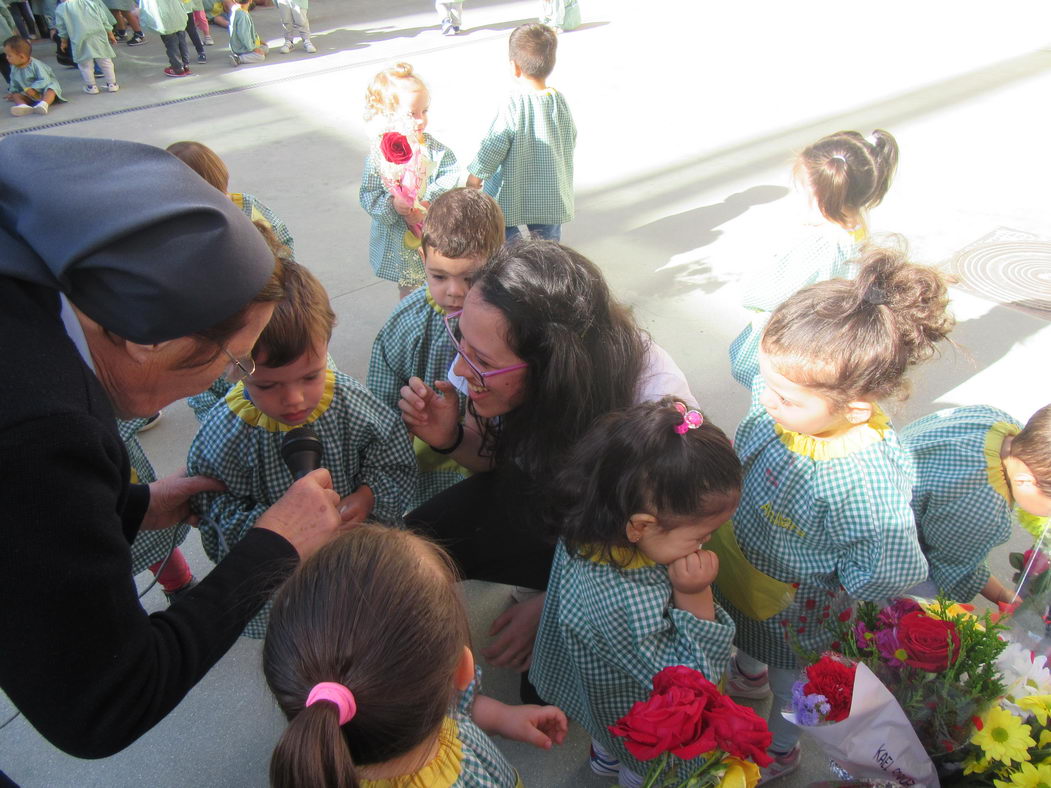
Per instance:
(695,572)
(430,417)
(109,33)
(9,96)
(357,506)
(33,94)
(474,182)
(541,726)
(64,43)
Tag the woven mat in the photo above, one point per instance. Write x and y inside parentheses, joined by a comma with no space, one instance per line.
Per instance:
(1009,267)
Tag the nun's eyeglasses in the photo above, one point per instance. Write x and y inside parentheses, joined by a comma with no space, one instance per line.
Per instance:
(239,368)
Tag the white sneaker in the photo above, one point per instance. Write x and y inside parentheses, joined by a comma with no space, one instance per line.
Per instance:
(287,47)
(91,90)
(782,766)
(308,46)
(739,685)
(235,60)
(40,108)
(18,110)
(112,87)
(208,41)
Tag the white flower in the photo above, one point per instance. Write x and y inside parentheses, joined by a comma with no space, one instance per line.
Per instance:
(1023,674)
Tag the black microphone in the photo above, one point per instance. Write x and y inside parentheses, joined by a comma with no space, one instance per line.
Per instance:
(301,451)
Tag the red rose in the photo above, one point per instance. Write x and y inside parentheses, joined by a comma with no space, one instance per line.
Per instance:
(834,680)
(668,721)
(687,678)
(1036,561)
(931,644)
(395,147)
(739,731)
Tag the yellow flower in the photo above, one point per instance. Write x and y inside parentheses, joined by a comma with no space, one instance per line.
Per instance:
(949,611)
(1003,736)
(1038,705)
(1028,776)
(739,774)
(975,765)
(1045,738)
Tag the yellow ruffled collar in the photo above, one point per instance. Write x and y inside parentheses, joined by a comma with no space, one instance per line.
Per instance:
(433,303)
(246,410)
(443,770)
(994,464)
(623,557)
(861,437)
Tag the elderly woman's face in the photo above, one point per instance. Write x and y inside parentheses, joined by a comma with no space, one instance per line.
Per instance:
(484,331)
(146,382)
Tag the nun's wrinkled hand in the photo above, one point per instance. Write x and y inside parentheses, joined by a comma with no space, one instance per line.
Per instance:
(307,514)
(170,499)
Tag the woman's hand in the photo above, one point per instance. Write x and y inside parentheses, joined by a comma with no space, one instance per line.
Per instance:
(431,414)
(170,499)
(516,628)
(306,515)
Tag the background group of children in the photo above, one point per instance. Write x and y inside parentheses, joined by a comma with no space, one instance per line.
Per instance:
(676,546)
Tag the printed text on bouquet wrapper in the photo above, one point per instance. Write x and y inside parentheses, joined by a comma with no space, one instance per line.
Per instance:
(885,761)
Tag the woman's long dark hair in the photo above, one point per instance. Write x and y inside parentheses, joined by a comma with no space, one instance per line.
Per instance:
(584,350)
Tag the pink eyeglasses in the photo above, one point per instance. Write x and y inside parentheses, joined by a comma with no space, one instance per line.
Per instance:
(452,325)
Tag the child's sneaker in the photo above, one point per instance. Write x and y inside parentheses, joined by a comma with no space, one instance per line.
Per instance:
(202,58)
(208,41)
(782,766)
(235,60)
(18,110)
(603,764)
(120,34)
(308,46)
(171,72)
(41,107)
(91,90)
(137,39)
(739,685)
(112,87)
(287,47)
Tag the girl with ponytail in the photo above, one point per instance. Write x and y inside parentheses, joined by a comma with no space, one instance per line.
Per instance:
(367,654)
(825,510)
(845,175)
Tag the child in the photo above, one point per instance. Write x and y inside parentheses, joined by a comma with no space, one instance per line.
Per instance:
(7,30)
(245,45)
(976,471)
(393,94)
(630,590)
(845,176)
(294,21)
(168,18)
(366,448)
(463,228)
(126,13)
(368,656)
(451,13)
(560,15)
(526,159)
(189,7)
(33,84)
(157,550)
(88,26)
(825,504)
(200,19)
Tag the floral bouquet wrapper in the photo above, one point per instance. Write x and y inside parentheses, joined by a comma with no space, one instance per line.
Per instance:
(1030,619)
(874,742)
(400,154)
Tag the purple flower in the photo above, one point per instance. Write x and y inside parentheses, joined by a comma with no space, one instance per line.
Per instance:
(810,709)
(889,648)
(890,615)
(862,635)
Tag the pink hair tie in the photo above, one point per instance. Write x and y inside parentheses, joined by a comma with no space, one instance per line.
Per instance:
(338,694)
(691,419)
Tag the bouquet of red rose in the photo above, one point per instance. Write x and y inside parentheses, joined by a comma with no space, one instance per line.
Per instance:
(686,716)
(400,154)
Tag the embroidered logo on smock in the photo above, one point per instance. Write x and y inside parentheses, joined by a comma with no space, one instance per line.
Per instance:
(780,520)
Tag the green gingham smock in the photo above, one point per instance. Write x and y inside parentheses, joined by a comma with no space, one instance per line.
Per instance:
(606,631)
(8,27)
(254,208)
(37,75)
(414,341)
(149,547)
(825,516)
(389,257)
(364,443)
(243,38)
(821,253)
(526,158)
(86,23)
(962,502)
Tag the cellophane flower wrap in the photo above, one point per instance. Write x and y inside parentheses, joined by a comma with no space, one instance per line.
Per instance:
(399,151)
(1030,622)
(687,717)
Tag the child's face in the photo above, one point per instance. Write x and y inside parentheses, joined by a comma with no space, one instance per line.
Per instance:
(417,102)
(799,408)
(1024,490)
(449,278)
(290,394)
(16,59)
(667,542)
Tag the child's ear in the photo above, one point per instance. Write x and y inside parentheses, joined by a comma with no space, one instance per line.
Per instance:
(859,412)
(637,526)
(516,70)
(464,674)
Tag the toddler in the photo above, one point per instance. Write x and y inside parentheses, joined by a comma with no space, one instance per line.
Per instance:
(977,471)
(200,19)
(87,25)
(526,158)
(560,15)
(245,45)
(33,86)
(397,97)
(844,175)
(158,550)
(368,656)
(826,500)
(630,590)
(287,383)
(126,14)
(168,18)
(463,228)
(294,21)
